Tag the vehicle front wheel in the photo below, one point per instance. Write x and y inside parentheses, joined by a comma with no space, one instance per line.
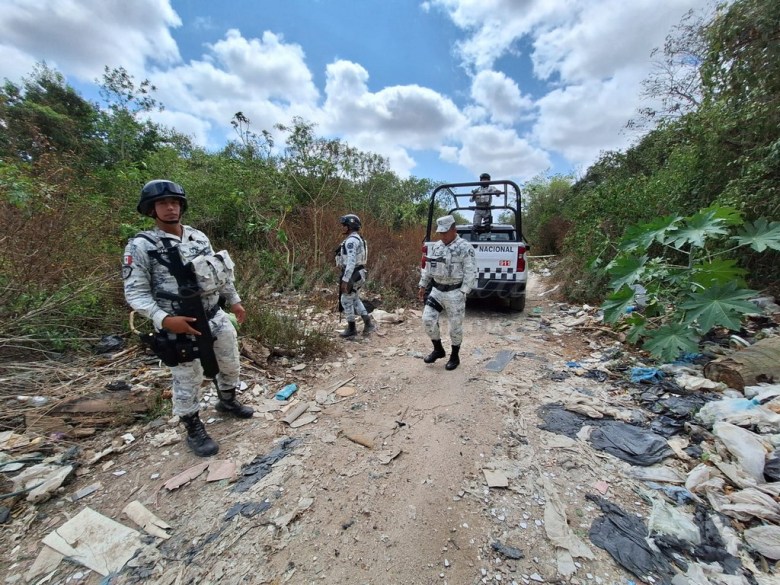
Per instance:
(517,304)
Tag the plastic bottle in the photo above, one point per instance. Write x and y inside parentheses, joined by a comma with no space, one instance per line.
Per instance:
(287,391)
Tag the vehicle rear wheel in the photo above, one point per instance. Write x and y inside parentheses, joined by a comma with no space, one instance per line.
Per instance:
(517,303)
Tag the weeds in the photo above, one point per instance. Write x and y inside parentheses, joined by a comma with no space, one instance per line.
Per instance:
(287,332)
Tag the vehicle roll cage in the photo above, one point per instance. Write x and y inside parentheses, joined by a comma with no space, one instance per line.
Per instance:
(509,198)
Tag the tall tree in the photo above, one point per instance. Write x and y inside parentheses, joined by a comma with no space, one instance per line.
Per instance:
(127,134)
(45,116)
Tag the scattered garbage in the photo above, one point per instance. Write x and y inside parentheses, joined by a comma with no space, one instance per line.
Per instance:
(246,509)
(625,537)
(359,439)
(647,375)
(752,365)
(697,444)
(109,343)
(95,541)
(286,392)
(260,466)
(498,363)
(509,552)
(147,521)
(186,476)
(630,443)
(295,412)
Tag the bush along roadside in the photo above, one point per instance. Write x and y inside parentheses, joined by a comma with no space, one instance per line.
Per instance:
(677,278)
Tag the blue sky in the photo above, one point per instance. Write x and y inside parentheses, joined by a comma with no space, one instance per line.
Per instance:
(445,89)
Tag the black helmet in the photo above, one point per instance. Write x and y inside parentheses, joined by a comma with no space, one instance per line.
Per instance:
(351,220)
(484,177)
(158,189)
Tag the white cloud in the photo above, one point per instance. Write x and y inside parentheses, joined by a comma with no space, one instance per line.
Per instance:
(592,54)
(498,151)
(389,122)
(580,121)
(496,25)
(607,36)
(265,79)
(267,67)
(17,63)
(500,97)
(588,58)
(82,37)
(188,124)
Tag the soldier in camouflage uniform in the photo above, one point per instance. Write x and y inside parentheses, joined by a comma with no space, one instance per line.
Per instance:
(483,197)
(149,287)
(351,257)
(451,268)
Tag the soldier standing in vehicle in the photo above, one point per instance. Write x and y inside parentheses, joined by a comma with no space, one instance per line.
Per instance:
(451,268)
(153,290)
(483,197)
(351,257)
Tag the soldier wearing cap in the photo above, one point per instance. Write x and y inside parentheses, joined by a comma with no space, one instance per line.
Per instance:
(152,290)
(451,268)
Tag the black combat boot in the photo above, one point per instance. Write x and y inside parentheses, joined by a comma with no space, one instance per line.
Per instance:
(454,361)
(438,352)
(350,331)
(368,324)
(227,403)
(197,437)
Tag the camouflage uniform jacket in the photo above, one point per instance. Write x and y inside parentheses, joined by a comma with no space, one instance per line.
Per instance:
(144,277)
(483,196)
(353,252)
(450,264)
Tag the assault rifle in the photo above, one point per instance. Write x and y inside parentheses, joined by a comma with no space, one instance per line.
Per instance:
(191,304)
(182,348)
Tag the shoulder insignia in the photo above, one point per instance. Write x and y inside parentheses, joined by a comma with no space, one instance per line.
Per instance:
(127,266)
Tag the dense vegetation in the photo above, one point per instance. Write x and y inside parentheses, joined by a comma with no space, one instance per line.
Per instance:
(711,162)
(70,173)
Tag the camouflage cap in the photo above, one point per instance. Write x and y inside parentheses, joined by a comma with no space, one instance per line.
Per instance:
(443,224)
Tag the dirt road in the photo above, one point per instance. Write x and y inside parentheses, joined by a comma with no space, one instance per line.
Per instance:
(409,506)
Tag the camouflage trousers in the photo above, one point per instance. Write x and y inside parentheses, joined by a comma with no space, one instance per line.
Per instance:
(454,303)
(482,217)
(352,305)
(188,377)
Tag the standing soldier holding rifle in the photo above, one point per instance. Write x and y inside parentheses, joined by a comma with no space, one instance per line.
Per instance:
(173,277)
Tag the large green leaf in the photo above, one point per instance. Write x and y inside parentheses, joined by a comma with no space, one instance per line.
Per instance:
(638,328)
(697,229)
(625,270)
(760,235)
(640,237)
(726,215)
(667,343)
(615,305)
(717,272)
(719,305)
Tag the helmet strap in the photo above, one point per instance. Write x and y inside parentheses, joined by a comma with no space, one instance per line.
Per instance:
(153,215)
